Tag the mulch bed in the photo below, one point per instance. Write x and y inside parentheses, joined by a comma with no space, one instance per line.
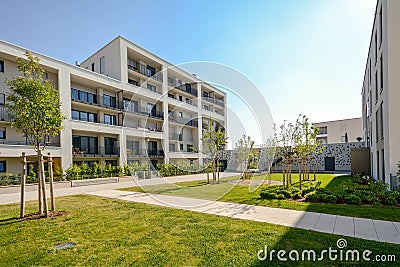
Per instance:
(37,215)
(256,182)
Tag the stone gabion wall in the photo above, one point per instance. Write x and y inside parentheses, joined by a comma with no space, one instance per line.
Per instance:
(341,152)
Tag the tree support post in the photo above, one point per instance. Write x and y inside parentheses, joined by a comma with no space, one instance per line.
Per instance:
(23,180)
(43,184)
(51,180)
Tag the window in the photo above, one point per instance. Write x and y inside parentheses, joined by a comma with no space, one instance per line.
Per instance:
(92,66)
(376,48)
(1,66)
(79,95)
(180,114)
(381,119)
(151,87)
(376,87)
(189,148)
(110,145)
(133,147)
(3,166)
(206,107)
(370,73)
(171,95)
(180,98)
(381,72)
(171,81)
(2,99)
(343,137)
(102,65)
(150,71)
(133,82)
(181,147)
(377,165)
(2,133)
(110,119)
(84,144)
(83,116)
(381,26)
(172,147)
(343,127)
(109,101)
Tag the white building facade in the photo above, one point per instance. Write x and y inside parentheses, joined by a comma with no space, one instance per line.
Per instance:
(381,92)
(123,104)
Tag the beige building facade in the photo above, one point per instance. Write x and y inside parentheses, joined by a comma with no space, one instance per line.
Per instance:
(123,104)
(340,131)
(381,92)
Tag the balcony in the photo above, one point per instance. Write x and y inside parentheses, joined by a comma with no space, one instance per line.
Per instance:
(184,121)
(25,143)
(136,153)
(188,101)
(145,70)
(155,153)
(213,100)
(187,88)
(4,114)
(96,152)
(144,111)
(176,137)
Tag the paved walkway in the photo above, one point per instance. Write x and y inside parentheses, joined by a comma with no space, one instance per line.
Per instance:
(33,195)
(377,230)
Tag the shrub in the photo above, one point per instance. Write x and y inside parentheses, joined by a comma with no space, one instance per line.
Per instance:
(307,191)
(280,196)
(312,197)
(267,195)
(297,195)
(329,198)
(284,192)
(353,200)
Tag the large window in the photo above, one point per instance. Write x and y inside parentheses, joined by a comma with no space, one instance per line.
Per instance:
(2,99)
(2,133)
(151,87)
(381,73)
(79,95)
(83,116)
(102,65)
(381,26)
(110,119)
(110,147)
(1,66)
(376,87)
(109,101)
(189,148)
(133,82)
(85,144)
(3,166)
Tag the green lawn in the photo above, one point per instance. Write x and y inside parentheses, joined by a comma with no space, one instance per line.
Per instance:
(226,191)
(112,232)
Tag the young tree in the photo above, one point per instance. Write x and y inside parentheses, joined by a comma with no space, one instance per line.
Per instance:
(214,140)
(34,108)
(246,154)
(269,151)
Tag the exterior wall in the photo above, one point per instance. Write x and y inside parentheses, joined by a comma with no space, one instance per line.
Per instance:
(339,128)
(137,125)
(380,92)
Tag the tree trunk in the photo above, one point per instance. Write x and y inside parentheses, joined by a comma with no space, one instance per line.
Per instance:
(43,184)
(51,179)
(23,179)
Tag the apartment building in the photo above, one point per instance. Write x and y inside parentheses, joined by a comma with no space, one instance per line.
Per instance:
(340,131)
(381,94)
(123,104)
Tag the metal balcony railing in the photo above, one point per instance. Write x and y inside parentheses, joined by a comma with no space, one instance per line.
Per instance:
(144,111)
(184,121)
(213,100)
(144,70)
(4,114)
(177,137)
(24,143)
(100,151)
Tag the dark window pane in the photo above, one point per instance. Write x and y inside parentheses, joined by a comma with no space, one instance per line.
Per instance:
(83,116)
(92,117)
(75,115)
(2,99)
(2,134)
(1,66)
(3,166)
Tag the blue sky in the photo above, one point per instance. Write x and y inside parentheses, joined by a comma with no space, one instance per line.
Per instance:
(306,56)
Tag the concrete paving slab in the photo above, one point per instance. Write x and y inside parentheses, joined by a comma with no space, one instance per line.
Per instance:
(344,226)
(364,228)
(308,221)
(325,223)
(386,231)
